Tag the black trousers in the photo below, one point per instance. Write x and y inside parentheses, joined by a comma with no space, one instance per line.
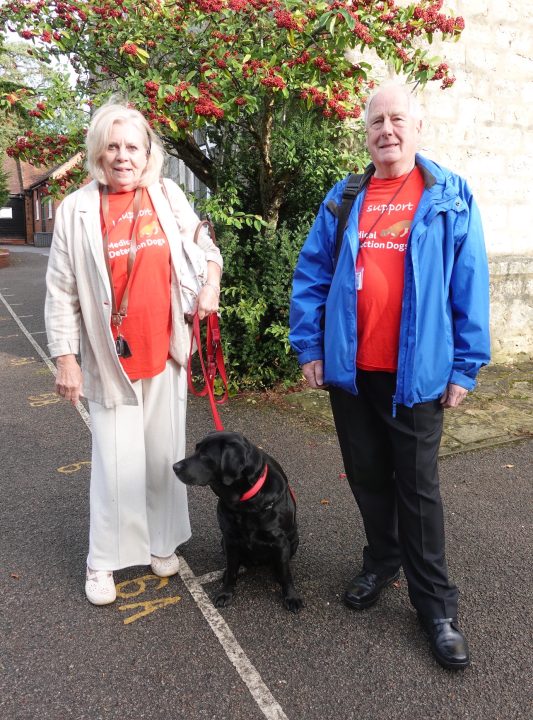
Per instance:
(391,465)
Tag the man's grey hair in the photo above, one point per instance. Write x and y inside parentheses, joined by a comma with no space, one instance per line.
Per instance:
(412,102)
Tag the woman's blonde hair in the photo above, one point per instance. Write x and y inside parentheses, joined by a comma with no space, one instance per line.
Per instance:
(99,133)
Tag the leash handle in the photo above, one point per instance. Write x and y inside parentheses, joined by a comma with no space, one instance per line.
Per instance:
(212,366)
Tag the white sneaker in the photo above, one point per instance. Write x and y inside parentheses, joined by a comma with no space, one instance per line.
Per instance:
(166,566)
(100,587)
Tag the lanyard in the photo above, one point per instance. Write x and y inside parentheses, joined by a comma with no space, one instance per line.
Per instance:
(393,198)
(117,315)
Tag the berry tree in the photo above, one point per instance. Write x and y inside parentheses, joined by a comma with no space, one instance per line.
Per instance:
(224,66)
(261,99)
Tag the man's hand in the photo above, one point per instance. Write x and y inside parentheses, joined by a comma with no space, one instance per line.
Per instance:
(68,378)
(453,396)
(313,372)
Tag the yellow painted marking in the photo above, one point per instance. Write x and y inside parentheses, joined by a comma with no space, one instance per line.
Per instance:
(43,399)
(141,585)
(146,606)
(149,606)
(73,467)
(22,361)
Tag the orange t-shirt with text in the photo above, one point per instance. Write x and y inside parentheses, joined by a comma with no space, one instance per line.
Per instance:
(147,326)
(384,223)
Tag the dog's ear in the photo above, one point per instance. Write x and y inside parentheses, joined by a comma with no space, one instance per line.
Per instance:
(240,461)
(232,462)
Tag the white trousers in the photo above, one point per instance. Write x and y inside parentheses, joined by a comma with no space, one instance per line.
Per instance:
(138,507)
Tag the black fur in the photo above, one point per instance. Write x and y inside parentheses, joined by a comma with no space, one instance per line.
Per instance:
(261,530)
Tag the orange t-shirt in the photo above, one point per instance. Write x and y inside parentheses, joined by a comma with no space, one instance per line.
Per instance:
(147,326)
(384,224)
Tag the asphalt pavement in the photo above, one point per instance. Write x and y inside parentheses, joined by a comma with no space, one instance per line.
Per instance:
(163,651)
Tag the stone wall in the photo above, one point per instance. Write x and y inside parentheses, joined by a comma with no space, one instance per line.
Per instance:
(482,128)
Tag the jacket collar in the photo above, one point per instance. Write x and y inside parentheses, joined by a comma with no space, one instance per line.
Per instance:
(428,176)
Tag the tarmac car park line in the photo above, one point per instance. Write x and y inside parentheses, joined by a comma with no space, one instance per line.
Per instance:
(38,349)
(244,667)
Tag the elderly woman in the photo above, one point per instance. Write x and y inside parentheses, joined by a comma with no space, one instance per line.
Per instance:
(114,298)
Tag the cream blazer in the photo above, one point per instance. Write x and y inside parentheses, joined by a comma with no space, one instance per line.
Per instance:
(78,299)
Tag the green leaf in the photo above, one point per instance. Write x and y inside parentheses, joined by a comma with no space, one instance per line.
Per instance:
(350,20)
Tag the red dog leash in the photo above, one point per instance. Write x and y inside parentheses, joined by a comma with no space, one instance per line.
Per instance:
(212,366)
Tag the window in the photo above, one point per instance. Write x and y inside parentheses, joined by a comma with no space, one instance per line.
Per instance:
(37,209)
(50,207)
(6,213)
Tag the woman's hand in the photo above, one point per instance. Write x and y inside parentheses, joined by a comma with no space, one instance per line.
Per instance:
(208,300)
(68,378)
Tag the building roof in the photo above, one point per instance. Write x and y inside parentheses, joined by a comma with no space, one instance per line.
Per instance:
(22,176)
(57,171)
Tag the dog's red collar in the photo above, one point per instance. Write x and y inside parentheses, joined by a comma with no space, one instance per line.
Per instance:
(256,487)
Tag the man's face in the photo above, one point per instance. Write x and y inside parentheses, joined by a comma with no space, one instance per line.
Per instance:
(392,133)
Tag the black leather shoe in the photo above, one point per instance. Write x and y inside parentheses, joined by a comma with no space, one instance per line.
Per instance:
(447,642)
(364,589)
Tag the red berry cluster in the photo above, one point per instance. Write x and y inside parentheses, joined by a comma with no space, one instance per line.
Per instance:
(106,11)
(274,81)
(151,88)
(251,67)
(434,20)
(300,60)
(224,36)
(440,72)
(322,65)
(210,6)
(129,48)
(206,107)
(363,33)
(41,150)
(285,19)
(238,5)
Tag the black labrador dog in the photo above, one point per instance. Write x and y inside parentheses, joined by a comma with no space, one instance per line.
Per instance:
(256,508)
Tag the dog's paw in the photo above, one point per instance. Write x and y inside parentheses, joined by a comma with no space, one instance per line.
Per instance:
(293,603)
(223,599)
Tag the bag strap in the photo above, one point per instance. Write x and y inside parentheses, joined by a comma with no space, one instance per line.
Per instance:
(355,185)
(211,366)
(209,225)
(203,223)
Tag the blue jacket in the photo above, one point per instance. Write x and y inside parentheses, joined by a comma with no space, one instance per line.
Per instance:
(444,326)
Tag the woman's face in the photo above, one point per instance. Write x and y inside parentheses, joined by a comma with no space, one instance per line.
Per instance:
(125,157)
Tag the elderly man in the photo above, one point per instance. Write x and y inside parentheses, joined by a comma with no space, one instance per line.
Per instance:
(397,329)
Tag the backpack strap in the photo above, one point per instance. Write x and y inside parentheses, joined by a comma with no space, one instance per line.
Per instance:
(355,185)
